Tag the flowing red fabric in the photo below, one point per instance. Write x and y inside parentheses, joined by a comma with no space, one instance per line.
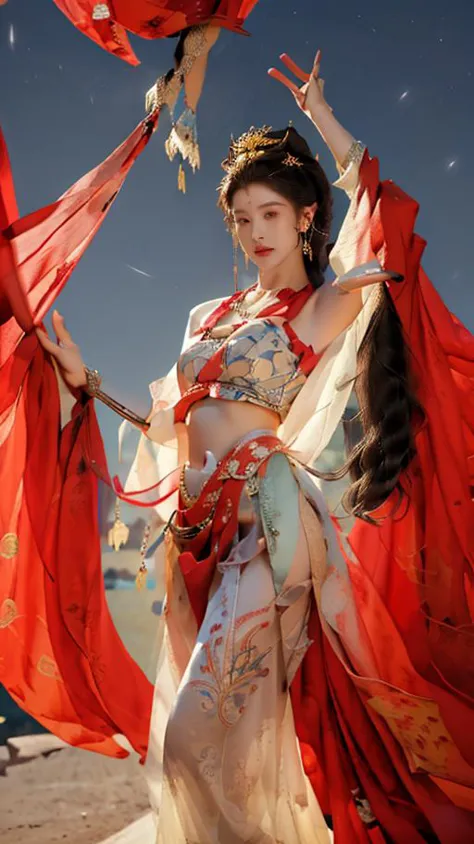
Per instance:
(61,658)
(405,741)
(402,740)
(151,19)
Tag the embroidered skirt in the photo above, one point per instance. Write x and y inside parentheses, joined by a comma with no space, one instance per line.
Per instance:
(224,762)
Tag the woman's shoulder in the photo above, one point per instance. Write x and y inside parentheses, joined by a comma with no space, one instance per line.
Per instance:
(198,314)
(203,308)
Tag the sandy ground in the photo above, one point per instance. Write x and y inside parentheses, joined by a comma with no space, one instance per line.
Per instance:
(72,796)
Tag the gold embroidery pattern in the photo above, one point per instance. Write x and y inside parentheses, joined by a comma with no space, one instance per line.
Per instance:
(48,667)
(253,485)
(422,733)
(8,613)
(226,695)
(212,498)
(100,12)
(9,546)
(259,451)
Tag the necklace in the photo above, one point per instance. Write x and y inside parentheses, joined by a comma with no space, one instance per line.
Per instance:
(287,303)
(238,304)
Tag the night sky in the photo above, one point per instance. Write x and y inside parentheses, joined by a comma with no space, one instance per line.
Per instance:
(399,76)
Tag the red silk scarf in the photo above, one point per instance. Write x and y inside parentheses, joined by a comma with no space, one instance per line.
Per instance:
(61,658)
(150,19)
(413,586)
(217,509)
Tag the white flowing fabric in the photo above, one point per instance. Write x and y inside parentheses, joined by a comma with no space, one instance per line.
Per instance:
(223,763)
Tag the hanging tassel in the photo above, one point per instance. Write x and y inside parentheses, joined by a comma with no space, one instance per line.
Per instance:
(119,532)
(181,179)
(141,577)
(183,138)
(140,580)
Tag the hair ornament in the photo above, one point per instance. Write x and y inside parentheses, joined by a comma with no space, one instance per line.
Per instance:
(292,161)
(250,146)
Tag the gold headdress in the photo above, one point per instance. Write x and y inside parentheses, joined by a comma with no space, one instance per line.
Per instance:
(250,146)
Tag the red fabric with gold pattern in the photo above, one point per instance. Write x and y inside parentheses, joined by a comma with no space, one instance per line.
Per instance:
(61,658)
(218,502)
(408,737)
(149,19)
(404,739)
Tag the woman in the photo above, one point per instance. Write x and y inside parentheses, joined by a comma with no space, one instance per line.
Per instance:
(275,624)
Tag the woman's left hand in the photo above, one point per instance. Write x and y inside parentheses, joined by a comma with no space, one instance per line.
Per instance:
(310,95)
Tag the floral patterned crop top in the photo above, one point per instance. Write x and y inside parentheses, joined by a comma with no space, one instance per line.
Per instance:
(260,362)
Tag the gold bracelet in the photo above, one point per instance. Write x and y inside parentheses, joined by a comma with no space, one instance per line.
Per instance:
(355,153)
(93,381)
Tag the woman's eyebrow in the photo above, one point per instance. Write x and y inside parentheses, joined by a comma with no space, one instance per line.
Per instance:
(264,205)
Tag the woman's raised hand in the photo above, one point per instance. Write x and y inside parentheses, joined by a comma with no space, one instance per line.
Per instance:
(310,95)
(65,352)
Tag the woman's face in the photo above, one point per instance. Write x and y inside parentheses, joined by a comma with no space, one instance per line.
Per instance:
(264,218)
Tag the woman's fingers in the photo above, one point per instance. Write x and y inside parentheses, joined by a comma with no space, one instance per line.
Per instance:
(47,344)
(298,91)
(291,65)
(60,329)
(278,75)
(316,64)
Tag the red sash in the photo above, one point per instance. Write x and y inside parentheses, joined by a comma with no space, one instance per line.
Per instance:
(217,510)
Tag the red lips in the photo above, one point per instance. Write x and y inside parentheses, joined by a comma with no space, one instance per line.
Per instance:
(260,249)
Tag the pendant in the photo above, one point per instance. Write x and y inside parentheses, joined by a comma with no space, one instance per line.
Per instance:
(118,535)
(100,12)
(140,579)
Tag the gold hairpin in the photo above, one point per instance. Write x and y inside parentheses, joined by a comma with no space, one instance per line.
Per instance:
(292,161)
(250,146)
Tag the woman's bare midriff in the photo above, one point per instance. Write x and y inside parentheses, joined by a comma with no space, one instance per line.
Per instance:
(216,425)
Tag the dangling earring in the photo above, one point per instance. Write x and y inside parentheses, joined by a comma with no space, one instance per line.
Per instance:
(235,247)
(307,249)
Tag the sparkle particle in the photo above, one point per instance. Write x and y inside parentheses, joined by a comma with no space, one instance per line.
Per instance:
(140,272)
